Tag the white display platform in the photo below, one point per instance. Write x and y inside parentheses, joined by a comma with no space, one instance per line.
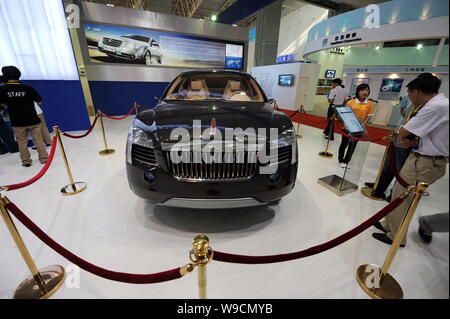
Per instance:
(112,228)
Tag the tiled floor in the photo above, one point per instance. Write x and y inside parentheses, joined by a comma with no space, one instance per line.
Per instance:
(112,228)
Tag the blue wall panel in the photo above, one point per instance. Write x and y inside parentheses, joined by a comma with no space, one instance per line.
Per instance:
(242,9)
(117,98)
(63,104)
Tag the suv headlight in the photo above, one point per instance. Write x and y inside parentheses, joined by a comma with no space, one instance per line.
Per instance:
(287,138)
(133,46)
(139,137)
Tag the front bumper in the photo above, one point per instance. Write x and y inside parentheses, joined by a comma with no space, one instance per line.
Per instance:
(166,190)
(120,54)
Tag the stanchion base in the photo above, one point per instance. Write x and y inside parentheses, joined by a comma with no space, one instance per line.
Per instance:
(53,277)
(108,151)
(388,286)
(337,185)
(325,154)
(73,189)
(368,192)
(299,136)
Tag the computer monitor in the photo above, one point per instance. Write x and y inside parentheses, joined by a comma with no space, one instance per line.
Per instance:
(286,79)
(349,119)
(330,74)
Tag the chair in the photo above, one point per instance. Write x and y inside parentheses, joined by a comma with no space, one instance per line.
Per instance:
(233,92)
(197,90)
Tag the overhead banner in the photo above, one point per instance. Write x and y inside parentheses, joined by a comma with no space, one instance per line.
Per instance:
(111,44)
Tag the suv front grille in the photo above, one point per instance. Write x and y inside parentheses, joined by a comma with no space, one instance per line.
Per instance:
(143,156)
(284,154)
(234,166)
(112,42)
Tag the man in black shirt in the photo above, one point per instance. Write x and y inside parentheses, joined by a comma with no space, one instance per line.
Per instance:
(7,142)
(19,99)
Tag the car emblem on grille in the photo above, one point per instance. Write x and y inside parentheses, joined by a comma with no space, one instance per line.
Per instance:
(213,127)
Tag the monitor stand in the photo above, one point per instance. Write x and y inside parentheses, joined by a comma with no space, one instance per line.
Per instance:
(338,185)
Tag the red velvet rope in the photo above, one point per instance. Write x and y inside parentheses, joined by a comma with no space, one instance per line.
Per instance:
(242,259)
(363,139)
(394,166)
(85,134)
(144,108)
(41,172)
(318,120)
(108,274)
(343,133)
(120,118)
(293,114)
(360,138)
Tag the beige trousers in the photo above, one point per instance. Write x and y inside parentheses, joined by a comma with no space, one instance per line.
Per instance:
(21,134)
(423,169)
(44,130)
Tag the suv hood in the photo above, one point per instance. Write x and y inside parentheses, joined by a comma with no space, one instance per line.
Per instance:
(168,116)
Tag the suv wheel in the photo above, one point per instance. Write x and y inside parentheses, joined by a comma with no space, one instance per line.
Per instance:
(148,58)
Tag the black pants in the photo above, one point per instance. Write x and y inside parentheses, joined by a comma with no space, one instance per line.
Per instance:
(401,154)
(346,145)
(7,142)
(330,125)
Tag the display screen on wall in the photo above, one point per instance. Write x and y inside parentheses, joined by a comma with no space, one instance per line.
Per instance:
(111,44)
(390,89)
(286,80)
(330,74)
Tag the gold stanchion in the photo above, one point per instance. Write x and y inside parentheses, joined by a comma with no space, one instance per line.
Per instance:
(106,151)
(201,255)
(377,282)
(371,192)
(136,108)
(73,188)
(325,153)
(300,110)
(42,283)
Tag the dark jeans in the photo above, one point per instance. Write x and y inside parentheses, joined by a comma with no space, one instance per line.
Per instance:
(401,154)
(345,157)
(330,124)
(7,142)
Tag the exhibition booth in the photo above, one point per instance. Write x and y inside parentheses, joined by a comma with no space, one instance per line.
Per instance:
(131,94)
(386,47)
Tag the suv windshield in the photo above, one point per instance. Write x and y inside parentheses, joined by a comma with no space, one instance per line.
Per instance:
(136,37)
(229,87)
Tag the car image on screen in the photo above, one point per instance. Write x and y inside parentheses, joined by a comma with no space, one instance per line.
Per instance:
(132,47)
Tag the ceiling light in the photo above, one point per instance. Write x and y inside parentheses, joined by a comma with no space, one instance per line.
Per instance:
(110,5)
(377,47)
(214,17)
(234,25)
(419,46)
